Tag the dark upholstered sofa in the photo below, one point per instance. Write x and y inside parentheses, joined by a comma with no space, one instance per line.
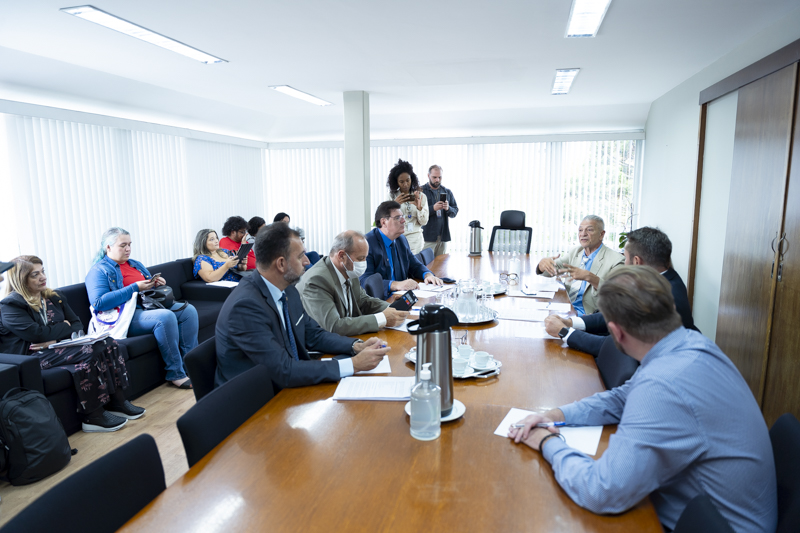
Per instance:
(145,366)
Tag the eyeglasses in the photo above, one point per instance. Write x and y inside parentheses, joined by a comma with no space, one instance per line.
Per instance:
(398,218)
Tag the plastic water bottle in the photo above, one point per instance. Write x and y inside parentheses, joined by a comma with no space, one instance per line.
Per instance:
(426,407)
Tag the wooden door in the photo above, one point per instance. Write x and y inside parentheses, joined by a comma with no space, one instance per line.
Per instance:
(782,388)
(755,214)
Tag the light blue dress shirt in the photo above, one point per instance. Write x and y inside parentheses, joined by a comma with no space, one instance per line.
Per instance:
(688,423)
(586,263)
(345,365)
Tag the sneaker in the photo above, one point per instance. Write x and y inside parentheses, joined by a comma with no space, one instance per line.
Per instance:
(105,423)
(126,410)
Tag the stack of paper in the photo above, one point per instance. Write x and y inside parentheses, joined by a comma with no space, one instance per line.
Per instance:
(383,367)
(86,339)
(224,283)
(528,315)
(374,388)
(584,439)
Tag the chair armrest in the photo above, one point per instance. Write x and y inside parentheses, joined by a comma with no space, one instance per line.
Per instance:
(30,373)
(199,290)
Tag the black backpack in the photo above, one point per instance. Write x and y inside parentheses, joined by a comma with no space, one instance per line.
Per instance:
(33,443)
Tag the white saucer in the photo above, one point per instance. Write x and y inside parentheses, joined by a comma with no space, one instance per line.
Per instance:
(491,366)
(458,411)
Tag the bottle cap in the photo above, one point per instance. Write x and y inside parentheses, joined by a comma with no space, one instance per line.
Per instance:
(425,373)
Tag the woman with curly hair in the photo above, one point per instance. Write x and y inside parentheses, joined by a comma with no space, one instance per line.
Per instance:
(404,189)
(33,316)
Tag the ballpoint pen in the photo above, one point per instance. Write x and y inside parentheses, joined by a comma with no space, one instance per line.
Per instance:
(543,425)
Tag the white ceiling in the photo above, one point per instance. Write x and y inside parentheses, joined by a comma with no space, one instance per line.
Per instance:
(440,68)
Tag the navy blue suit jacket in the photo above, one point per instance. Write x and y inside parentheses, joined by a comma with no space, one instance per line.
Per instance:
(250,332)
(406,266)
(591,340)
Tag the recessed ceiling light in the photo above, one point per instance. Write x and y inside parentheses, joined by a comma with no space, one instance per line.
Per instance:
(564,79)
(291,91)
(585,17)
(98,16)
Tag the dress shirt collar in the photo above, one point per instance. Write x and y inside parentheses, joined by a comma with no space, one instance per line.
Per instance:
(339,275)
(274,291)
(593,254)
(666,345)
(386,240)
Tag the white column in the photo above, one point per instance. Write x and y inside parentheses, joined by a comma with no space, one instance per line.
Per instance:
(356,161)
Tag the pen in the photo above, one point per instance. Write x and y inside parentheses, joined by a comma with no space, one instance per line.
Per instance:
(542,425)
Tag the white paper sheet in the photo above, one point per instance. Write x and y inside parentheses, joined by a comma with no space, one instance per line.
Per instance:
(224,283)
(546,295)
(402,327)
(559,307)
(383,367)
(528,315)
(86,339)
(534,331)
(584,439)
(374,388)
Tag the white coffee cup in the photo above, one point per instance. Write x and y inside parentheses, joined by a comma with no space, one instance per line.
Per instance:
(465,351)
(482,359)
(459,366)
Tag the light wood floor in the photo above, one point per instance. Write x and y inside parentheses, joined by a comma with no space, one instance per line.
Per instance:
(164,406)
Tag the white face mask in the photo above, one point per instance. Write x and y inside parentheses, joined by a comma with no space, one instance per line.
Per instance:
(359,267)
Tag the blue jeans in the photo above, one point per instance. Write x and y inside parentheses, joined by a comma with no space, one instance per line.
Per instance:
(176,334)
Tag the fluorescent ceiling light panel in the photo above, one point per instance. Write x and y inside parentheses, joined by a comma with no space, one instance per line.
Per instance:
(98,16)
(564,79)
(291,91)
(585,17)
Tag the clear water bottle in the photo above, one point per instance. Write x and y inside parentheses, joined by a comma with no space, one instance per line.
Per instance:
(426,407)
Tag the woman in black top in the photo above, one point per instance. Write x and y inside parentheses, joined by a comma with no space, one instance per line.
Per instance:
(32,317)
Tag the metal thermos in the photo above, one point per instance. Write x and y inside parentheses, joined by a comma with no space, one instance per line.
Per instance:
(434,346)
(475,238)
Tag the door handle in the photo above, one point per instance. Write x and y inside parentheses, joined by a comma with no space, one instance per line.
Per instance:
(780,270)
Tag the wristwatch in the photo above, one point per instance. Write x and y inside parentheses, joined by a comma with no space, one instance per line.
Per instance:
(353,347)
(564,332)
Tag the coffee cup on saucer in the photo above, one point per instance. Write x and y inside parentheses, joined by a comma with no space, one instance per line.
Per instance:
(482,359)
(459,366)
(465,351)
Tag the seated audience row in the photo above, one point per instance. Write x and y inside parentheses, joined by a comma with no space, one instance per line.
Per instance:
(34,317)
(212,263)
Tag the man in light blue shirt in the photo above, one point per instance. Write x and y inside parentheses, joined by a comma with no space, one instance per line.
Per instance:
(688,423)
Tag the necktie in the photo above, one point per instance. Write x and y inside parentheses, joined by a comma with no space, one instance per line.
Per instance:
(393,264)
(292,343)
(348,301)
(578,288)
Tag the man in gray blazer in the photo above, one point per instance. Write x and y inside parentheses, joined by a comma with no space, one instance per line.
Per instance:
(333,296)
(587,265)
(263,322)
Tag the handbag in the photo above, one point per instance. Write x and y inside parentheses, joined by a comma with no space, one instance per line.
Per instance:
(114,321)
(158,298)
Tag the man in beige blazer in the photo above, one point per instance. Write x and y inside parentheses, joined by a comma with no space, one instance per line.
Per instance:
(587,265)
(332,294)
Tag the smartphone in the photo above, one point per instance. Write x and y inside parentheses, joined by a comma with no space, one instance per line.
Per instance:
(405,302)
(443,197)
(154,276)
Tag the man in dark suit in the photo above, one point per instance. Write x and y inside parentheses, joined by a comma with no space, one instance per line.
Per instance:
(390,256)
(263,322)
(645,246)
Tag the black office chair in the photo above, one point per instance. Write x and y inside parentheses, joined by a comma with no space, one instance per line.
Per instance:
(514,222)
(427,256)
(700,516)
(615,367)
(373,286)
(785,437)
(201,364)
(313,257)
(101,496)
(218,414)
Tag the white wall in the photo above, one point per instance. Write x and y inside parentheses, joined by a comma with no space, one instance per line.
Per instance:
(670,168)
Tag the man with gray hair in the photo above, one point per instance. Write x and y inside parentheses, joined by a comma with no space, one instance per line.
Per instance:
(333,296)
(586,265)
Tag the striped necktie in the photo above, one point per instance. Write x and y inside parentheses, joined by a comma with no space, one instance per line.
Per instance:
(289,331)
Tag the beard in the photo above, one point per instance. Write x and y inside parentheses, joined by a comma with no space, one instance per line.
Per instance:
(291,276)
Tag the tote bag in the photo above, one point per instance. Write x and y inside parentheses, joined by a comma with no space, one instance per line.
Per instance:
(115,321)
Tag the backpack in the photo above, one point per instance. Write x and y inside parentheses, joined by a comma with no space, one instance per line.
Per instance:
(33,443)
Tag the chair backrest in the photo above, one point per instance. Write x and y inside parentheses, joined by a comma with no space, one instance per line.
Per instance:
(510,240)
(201,364)
(700,516)
(785,437)
(512,219)
(373,286)
(313,257)
(427,256)
(78,300)
(220,412)
(615,367)
(101,496)
(174,274)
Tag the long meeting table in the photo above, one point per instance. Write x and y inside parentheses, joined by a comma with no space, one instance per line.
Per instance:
(305,462)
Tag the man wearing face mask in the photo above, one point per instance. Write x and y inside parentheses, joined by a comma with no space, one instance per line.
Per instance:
(333,296)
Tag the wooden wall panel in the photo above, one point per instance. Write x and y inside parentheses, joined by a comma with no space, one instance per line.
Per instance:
(755,214)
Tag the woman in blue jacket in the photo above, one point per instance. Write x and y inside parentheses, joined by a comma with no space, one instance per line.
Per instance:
(112,281)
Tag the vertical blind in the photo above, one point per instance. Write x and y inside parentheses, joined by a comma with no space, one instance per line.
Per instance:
(64,183)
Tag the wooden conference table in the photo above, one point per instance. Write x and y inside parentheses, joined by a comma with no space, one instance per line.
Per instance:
(307,463)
